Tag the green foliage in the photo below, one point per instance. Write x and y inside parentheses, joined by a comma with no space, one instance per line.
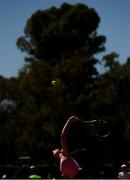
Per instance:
(111,61)
(55,33)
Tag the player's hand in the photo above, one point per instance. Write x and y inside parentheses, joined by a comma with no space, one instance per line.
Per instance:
(73,119)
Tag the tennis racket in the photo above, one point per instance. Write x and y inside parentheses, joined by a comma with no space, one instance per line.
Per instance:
(99,128)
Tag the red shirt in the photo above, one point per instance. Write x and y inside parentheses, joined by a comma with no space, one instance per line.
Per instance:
(68,166)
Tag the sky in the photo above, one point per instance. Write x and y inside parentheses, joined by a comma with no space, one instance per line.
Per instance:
(115,25)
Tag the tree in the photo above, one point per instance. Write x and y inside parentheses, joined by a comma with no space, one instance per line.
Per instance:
(66,39)
(111,61)
(56,33)
(61,44)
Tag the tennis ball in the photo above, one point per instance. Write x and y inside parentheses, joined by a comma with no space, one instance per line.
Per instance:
(53,83)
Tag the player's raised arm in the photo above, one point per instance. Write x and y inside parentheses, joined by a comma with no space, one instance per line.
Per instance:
(64,133)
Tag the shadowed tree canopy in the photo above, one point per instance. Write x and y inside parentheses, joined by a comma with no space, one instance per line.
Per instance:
(59,32)
(61,44)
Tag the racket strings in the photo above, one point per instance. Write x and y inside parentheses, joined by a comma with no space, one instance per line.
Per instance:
(99,128)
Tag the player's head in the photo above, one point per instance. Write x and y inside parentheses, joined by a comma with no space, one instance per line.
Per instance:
(56,153)
(124,167)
